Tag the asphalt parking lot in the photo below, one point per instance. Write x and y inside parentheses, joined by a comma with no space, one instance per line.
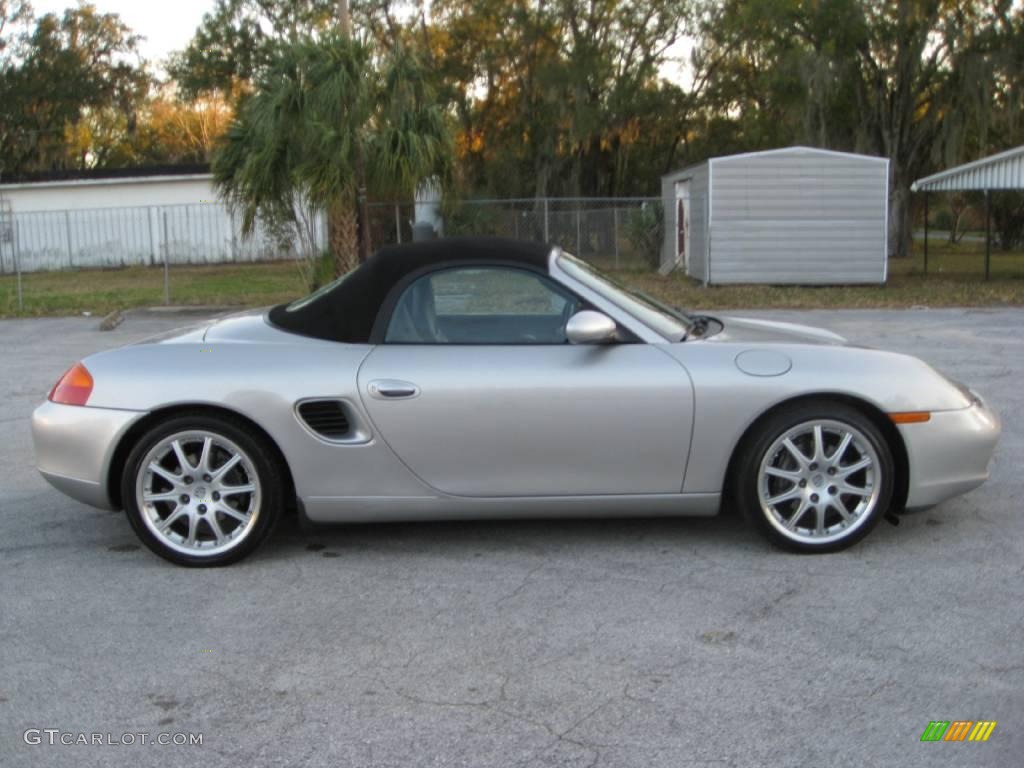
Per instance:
(548,643)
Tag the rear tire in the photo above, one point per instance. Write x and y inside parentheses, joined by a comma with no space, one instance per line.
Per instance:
(202,490)
(815,477)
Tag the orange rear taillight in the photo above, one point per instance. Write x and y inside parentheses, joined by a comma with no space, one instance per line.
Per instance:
(74,387)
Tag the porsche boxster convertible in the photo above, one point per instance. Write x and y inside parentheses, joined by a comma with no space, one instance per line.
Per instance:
(488,378)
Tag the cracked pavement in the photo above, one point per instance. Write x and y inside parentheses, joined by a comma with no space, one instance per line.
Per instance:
(665,642)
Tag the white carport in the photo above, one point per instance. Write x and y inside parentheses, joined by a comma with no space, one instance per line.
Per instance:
(1001,171)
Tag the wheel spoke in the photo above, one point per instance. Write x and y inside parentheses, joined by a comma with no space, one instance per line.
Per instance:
(211,521)
(167,475)
(241,517)
(233,490)
(226,467)
(819,444)
(193,529)
(857,466)
(819,519)
(785,474)
(183,461)
(168,521)
(837,455)
(204,457)
(839,506)
(789,495)
(795,452)
(852,490)
(151,497)
(791,523)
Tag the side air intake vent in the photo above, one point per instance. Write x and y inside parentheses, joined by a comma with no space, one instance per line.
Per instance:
(326,418)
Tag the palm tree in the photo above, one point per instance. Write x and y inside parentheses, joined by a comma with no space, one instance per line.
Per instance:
(324,117)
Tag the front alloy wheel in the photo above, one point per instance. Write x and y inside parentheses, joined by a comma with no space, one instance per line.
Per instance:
(817,478)
(201,490)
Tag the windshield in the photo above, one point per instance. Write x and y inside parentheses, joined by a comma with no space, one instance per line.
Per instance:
(670,323)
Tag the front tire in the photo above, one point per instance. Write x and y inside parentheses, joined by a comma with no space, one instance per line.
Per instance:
(202,490)
(815,477)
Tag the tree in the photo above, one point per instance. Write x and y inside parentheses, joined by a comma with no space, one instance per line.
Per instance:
(321,106)
(239,38)
(70,90)
(897,78)
(919,62)
(781,72)
(557,97)
(13,14)
(171,131)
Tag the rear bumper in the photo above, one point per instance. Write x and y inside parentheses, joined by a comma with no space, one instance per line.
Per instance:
(74,446)
(949,454)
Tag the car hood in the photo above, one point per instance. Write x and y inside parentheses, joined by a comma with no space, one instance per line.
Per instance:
(750,330)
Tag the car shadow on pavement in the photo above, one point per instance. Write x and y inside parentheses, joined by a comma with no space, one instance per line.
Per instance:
(460,539)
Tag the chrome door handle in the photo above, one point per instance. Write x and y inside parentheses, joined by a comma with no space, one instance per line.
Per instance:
(393,389)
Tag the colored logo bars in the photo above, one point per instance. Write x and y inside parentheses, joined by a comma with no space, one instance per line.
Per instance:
(958,730)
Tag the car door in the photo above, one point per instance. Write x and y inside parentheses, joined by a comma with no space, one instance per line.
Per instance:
(477,390)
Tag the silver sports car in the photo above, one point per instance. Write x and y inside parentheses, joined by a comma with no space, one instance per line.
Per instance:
(491,378)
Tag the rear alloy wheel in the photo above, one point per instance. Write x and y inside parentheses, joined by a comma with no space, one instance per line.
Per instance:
(817,478)
(201,491)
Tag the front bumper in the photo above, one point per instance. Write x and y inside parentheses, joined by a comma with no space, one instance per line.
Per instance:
(74,447)
(949,454)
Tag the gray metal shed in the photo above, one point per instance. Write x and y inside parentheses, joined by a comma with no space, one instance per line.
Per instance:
(794,215)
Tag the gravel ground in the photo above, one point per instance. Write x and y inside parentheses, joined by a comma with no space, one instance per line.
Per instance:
(586,643)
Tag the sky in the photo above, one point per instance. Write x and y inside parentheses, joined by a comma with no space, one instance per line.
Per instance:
(166,25)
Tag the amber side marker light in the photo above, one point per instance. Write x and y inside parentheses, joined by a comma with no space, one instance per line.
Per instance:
(910,417)
(74,387)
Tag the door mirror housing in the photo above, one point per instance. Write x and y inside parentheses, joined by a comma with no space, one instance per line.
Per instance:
(590,327)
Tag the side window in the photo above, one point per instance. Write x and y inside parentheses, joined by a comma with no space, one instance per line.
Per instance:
(481,305)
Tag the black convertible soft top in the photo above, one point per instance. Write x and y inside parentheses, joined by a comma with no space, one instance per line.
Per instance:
(347,310)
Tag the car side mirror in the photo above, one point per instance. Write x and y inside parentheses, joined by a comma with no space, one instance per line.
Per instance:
(590,327)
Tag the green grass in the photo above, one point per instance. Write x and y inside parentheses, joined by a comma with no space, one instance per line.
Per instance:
(955,278)
(103,290)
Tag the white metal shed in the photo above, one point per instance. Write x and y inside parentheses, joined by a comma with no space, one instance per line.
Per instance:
(794,215)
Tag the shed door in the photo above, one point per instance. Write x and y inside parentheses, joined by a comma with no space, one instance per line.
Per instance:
(683,223)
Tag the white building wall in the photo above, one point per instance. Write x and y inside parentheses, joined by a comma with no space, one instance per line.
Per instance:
(128,222)
(110,193)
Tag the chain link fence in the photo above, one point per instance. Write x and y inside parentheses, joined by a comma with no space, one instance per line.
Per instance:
(193,254)
(967,235)
(612,233)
